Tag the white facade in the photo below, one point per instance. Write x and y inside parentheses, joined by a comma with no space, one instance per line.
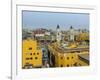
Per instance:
(39,35)
(58,35)
(71,34)
(47,33)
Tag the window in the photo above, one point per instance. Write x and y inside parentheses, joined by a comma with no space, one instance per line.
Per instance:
(36,58)
(30,53)
(72,57)
(31,58)
(27,58)
(68,58)
(30,48)
(37,53)
(61,65)
(67,65)
(33,53)
(61,57)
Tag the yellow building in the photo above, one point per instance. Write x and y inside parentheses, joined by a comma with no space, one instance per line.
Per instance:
(67,57)
(82,36)
(31,54)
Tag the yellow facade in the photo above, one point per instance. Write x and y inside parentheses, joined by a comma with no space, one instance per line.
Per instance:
(82,37)
(66,58)
(31,54)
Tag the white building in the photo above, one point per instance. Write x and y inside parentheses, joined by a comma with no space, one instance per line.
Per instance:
(47,33)
(71,34)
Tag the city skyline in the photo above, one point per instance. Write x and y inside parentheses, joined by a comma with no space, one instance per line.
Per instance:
(49,20)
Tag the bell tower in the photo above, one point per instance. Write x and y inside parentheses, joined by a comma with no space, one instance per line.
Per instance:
(58,33)
(71,34)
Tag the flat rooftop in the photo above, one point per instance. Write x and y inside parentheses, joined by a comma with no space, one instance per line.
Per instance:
(67,50)
(85,56)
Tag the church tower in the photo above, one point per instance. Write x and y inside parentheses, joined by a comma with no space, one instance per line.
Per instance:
(58,34)
(71,34)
